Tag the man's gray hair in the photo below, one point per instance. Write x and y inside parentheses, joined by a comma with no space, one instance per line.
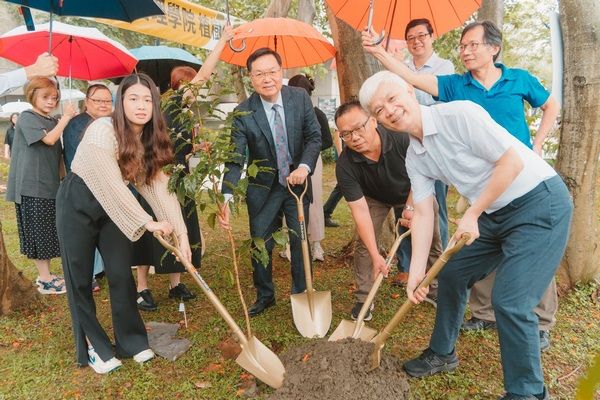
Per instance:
(370,86)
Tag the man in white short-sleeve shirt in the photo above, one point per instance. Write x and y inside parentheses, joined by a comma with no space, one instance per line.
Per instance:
(518,221)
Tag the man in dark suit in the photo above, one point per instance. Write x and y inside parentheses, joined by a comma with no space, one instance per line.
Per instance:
(280,130)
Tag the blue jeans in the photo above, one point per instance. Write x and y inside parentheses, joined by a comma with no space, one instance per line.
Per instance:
(524,242)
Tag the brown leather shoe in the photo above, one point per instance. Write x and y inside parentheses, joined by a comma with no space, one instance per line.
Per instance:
(400,279)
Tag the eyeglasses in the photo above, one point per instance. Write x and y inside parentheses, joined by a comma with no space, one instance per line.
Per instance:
(100,101)
(261,76)
(471,46)
(347,135)
(420,37)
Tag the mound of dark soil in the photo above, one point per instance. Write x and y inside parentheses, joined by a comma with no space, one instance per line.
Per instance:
(339,370)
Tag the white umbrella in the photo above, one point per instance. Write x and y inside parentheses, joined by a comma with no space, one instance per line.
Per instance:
(73,95)
(14,107)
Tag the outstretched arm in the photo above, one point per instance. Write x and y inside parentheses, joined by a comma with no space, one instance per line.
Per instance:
(426,82)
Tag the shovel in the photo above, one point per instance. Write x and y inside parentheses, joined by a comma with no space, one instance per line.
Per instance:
(435,269)
(357,329)
(311,310)
(255,357)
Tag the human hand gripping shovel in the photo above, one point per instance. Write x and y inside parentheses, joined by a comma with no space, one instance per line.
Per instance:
(311,310)
(255,357)
(433,272)
(357,329)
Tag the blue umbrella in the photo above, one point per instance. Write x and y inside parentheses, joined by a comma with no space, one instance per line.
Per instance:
(123,10)
(158,61)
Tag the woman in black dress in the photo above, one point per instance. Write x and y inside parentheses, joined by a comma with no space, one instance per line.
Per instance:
(148,251)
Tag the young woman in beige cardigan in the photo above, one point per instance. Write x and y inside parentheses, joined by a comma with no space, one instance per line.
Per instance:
(96,209)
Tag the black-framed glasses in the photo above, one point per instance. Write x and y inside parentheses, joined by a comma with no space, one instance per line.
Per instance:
(473,46)
(261,76)
(347,135)
(420,37)
(100,101)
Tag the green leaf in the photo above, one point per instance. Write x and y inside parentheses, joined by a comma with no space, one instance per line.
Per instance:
(280,237)
(212,218)
(252,170)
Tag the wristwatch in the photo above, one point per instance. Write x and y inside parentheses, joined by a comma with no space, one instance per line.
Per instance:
(409,207)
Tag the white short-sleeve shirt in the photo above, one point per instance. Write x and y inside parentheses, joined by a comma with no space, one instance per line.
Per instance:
(461,144)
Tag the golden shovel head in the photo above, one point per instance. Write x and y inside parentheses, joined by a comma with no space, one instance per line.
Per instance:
(261,362)
(346,330)
(315,323)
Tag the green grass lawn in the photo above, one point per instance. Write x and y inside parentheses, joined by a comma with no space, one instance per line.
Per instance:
(37,353)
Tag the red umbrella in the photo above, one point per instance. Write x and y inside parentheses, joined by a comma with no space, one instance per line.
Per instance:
(298,43)
(392,16)
(83,53)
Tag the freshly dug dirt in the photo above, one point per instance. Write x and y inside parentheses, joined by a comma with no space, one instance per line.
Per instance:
(332,370)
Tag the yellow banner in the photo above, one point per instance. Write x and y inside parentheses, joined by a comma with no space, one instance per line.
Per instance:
(184,22)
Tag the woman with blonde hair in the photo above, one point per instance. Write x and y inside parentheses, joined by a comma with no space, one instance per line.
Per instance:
(34,178)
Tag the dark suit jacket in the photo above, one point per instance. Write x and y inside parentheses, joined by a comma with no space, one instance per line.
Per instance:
(252,131)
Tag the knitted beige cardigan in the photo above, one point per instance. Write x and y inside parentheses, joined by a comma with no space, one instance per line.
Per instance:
(96,163)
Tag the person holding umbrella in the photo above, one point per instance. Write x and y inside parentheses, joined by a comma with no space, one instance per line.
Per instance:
(45,65)
(148,251)
(34,177)
(96,209)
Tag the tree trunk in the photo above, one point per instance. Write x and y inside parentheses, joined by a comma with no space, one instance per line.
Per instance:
(579,147)
(278,8)
(354,66)
(306,13)
(492,10)
(16,291)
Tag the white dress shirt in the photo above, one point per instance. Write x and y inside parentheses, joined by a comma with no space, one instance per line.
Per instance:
(12,79)
(461,144)
(434,65)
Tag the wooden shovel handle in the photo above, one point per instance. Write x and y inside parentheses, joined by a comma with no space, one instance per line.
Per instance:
(430,276)
(212,297)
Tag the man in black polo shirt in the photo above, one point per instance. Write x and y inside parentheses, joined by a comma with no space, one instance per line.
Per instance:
(372,176)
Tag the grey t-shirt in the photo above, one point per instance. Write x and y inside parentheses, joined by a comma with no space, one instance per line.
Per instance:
(34,166)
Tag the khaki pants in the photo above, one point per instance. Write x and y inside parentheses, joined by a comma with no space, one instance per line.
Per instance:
(363,267)
(480,303)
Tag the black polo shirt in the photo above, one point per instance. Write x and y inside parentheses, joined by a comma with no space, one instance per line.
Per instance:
(385,180)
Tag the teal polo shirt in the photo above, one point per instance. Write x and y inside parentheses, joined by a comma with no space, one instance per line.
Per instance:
(504,101)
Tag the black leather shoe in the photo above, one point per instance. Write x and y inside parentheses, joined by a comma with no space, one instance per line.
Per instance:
(181,292)
(260,306)
(331,223)
(476,324)
(429,363)
(145,301)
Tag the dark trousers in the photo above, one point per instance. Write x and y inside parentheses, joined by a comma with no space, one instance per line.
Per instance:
(404,252)
(83,225)
(332,201)
(280,203)
(524,242)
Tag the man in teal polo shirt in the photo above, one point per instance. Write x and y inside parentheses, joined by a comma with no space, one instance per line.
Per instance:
(501,91)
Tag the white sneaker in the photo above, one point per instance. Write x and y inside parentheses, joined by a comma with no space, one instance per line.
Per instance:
(143,356)
(317,252)
(102,367)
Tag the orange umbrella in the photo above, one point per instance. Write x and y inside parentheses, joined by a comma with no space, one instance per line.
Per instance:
(298,43)
(392,16)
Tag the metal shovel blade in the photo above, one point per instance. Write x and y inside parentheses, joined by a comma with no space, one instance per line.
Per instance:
(357,329)
(346,330)
(261,362)
(316,322)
